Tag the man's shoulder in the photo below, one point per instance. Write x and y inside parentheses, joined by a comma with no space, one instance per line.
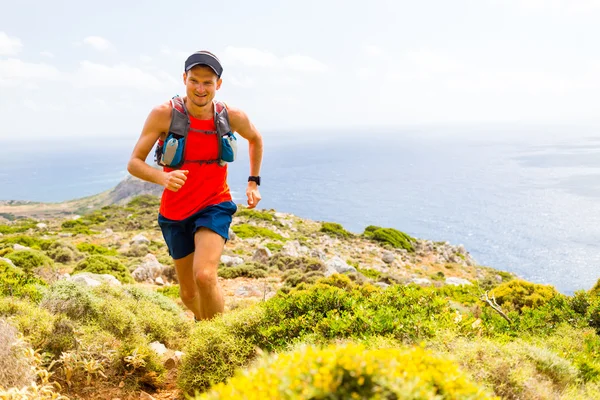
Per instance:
(236,114)
(162,110)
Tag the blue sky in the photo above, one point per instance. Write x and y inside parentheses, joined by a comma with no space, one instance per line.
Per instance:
(80,69)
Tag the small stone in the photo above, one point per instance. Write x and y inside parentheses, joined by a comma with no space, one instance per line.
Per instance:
(140,239)
(145,396)
(388,257)
(159,281)
(41,226)
(18,246)
(452,280)
(262,255)
(231,261)
(421,281)
(158,348)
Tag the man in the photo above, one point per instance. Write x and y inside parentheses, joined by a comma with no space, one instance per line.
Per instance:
(196,207)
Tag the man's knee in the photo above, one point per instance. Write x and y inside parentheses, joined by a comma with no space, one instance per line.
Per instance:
(187,294)
(206,278)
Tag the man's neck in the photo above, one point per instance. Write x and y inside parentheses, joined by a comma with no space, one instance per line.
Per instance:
(205,112)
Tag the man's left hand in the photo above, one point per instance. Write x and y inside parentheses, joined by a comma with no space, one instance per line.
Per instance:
(253,194)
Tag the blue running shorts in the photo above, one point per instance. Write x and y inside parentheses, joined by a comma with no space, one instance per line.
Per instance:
(179,235)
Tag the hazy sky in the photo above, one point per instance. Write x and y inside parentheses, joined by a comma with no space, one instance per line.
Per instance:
(77,68)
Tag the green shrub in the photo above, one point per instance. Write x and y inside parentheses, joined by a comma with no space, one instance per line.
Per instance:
(73,299)
(171,291)
(350,371)
(274,247)
(18,226)
(337,308)
(369,273)
(34,322)
(62,337)
(515,370)
(335,229)
(593,314)
(99,264)
(28,241)
(217,348)
(255,214)
(96,249)
(139,364)
(302,264)
(30,260)
(595,291)
(248,270)
(246,231)
(391,236)
(15,282)
(519,294)
(144,201)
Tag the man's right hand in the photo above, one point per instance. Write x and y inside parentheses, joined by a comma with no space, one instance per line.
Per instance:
(174,180)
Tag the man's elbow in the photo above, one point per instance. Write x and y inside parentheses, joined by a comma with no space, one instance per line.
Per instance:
(256,140)
(131,165)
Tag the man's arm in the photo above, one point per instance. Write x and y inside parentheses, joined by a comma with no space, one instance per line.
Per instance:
(241,124)
(157,122)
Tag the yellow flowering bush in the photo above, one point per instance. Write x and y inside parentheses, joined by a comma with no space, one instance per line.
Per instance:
(519,294)
(350,371)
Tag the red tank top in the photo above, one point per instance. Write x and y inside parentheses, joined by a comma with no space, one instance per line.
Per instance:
(206,184)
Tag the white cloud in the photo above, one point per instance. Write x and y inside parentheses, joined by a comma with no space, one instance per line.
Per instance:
(304,63)
(252,57)
(558,7)
(98,43)
(47,54)
(91,74)
(14,71)
(372,50)
(145,59)
(9,45)
(244,82)
(432,61)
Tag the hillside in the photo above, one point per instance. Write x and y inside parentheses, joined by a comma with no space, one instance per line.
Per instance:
(91,303)
(120,194)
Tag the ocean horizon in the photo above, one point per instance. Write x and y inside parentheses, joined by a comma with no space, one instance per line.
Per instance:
(524,204)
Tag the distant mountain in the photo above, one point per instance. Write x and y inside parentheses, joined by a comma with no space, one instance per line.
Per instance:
(120,194)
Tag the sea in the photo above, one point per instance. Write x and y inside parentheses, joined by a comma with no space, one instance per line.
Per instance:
(524,200)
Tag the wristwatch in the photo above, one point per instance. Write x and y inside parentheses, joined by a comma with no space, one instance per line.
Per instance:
(254,179)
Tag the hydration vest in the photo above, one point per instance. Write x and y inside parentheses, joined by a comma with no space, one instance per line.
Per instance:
(171,152)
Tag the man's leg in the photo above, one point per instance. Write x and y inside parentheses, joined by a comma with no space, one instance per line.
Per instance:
(188,291)
(207,255)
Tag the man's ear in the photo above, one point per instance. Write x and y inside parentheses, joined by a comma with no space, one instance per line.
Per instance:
(184,77)
(219,81)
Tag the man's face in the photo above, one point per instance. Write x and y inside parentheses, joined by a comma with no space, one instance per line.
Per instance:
(201,84)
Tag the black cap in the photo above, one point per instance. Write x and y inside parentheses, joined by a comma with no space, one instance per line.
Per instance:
(204,58)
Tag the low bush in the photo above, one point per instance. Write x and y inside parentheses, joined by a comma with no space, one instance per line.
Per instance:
(30,261)
(515,370)
(15,282)
(255,214)
(216,349)
(519,294)
(302,264)
(350,371)
(391,236)
(335,229)
(246,231)
(91,248)
(248,270)
(99,264)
